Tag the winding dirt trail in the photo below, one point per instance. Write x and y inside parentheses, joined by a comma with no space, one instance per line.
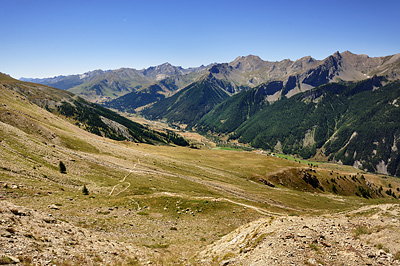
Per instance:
(123,180)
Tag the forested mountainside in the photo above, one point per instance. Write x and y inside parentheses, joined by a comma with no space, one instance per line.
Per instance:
(356,123)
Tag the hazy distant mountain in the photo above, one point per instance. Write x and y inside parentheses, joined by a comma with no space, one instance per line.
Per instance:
(99,85)
(67,82)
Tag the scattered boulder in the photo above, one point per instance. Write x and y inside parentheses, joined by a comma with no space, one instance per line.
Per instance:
(53,207)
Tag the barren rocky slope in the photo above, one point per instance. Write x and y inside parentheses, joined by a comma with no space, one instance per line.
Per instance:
(35,238)
(367,236)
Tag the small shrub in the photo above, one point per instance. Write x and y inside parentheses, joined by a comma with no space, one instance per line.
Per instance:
(228,255)
(397,255)
(132,261)
(362,230)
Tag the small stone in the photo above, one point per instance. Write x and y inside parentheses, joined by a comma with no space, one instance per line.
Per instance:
(326,244)
(288,236)
(53,207)
(18,212)
(49,220)
(312,261)
(380,253)
(225,262)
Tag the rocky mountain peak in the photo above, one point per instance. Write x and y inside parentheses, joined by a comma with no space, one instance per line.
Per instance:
(336,56)
(307,59)
(247,63)
(162,71)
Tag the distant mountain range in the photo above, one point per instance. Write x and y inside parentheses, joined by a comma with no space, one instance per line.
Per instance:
(146,86)
(343,108)
(100,85)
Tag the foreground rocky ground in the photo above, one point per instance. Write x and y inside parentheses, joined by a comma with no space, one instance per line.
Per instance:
(28,237)
(368,236)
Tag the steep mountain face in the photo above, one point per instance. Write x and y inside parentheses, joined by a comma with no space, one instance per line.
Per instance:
(353,123)
(390,67)
(230,114)
(89,116)
(191,103)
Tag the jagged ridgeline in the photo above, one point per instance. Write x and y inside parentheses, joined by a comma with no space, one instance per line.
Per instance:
(89,116)
(356,123)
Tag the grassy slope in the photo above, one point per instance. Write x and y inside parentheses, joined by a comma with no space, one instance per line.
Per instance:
(92,117)
(154,198)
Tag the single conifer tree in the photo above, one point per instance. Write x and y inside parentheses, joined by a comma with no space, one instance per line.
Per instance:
(85,191)
(63,169)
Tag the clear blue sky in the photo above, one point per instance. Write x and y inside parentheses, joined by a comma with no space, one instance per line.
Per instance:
(46,38)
